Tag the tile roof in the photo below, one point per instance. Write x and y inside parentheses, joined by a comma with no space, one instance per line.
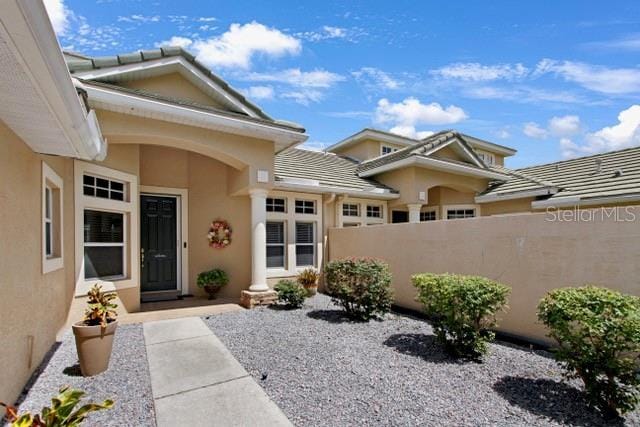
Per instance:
(419,149)
(618,174)
(190,104)
(330,170)
(95,63)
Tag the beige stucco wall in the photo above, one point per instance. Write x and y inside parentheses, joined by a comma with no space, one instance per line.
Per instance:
(528,252)
(174,86)
(507,207)
(33,305)
(364,150)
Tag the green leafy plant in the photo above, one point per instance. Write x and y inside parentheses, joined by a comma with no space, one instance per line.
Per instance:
(598,332)
(61,413)
(101,310)
(462,309)
(362,286)
(308,277)
(216,277)
(290,293)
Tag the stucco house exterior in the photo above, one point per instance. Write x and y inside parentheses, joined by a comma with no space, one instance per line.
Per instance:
(112,170)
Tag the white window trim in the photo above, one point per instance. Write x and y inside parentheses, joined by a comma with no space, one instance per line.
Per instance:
(362,219)
(52,180)
(182,194)
(129,207)
(370,218)
(383,146)
(290,218)
(445,208)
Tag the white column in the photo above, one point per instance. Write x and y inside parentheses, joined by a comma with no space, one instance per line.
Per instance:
(258,240)
(414,212)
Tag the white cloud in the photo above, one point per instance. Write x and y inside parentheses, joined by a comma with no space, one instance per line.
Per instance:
(328,32)
(612,81)
(259,92)
(523,94)
(139,18)
(295,77)
(502,134)
(411,112)
(410,132)
(568,148)
(182,42)
(315,145)
(304,96)
(241,43)
(475,72)
(206,19)
(533,130)
(630,42)
(565,125)
(376,79)
(58,14)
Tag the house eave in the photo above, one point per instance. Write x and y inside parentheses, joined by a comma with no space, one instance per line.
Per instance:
(490,198)
(127,103)
(322,189)
(576,201)
(372,134)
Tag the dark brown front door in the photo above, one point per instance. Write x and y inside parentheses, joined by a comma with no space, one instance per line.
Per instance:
(158,243)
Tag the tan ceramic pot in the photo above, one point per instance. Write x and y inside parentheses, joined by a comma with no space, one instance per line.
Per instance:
(311,289)
(212,290)
(94,347)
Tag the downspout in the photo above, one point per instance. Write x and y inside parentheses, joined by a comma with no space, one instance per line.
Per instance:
(325,235)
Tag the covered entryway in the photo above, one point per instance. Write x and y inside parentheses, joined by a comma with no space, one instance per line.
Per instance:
(159,242)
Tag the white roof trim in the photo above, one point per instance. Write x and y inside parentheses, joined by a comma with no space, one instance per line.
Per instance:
(459,143)
(114,100)
(436,164)
(568,201)
(26,32)
(488,146)
(374,135)
(172,64)
(489,198)
(322,189)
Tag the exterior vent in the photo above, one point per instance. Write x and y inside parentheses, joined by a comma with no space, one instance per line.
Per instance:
(618,173)
(598,165)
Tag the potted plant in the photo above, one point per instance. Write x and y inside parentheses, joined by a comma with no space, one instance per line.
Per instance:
(94,334)
(212,281)
(308,278)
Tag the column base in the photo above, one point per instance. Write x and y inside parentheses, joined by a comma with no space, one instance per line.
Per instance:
(251,299)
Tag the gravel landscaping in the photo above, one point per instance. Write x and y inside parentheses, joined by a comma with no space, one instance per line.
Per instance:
(126,381)
(322,369)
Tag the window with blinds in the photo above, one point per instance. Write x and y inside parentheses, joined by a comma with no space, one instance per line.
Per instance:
(275,244)
(103,244)
(305,253)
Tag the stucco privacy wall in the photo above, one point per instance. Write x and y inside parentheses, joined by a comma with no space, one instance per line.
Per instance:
(530,252)
(33,305)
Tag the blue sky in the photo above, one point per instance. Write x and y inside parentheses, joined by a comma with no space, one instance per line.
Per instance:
(553,79)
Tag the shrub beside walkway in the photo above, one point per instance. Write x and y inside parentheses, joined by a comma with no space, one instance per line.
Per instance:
(197,382)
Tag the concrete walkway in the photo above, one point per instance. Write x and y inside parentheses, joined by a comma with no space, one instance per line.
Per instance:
(196,381)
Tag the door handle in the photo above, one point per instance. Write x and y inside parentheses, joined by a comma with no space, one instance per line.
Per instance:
(160,256)
(142,256)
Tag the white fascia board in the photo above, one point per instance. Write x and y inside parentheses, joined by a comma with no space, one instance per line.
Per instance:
(171,64)
(494,148)
(142,106)
(436,164)
(569,201)
(489,198)
(43,61)
(469,155)
(370,134)
(321,189)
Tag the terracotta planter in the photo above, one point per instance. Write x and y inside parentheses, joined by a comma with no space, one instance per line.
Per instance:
(94,344)
(212,290)
(311,289)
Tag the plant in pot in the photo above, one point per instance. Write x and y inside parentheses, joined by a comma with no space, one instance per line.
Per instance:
(308,278)
(212,281)
(94,334)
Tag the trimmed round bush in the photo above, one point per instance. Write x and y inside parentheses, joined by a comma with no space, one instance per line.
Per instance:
(598,332)
(290,293)
(362,286)
(462,309)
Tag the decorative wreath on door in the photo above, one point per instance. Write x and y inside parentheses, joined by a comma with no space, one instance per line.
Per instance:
(219,235)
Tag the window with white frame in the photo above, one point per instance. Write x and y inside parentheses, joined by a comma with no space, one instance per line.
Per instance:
(374,211)
(487,158)
(276,204)
(305,244)
(305,207)
(276,253)
(51,220)
(104,188)
(350,209)
(104,244)
(387,150)
(427,216)
(460,213)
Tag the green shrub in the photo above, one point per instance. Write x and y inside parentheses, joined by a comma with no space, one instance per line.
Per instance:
(462,309)
(362,286)
(598,332)
(290,293)
(216,277)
